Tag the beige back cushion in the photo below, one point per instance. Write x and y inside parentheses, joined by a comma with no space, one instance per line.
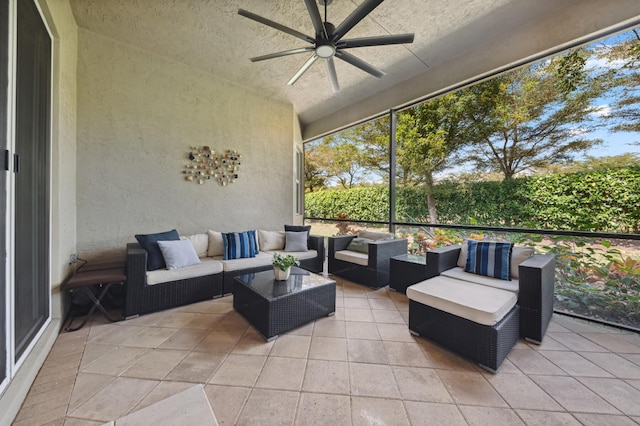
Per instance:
(271,240)
(375,235)
(216,246)
(200,243)
(518,255)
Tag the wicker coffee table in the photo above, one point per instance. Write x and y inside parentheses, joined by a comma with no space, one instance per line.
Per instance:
(274,307)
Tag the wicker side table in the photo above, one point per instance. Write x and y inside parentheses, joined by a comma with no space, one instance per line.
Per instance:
(274,307)
(406,270)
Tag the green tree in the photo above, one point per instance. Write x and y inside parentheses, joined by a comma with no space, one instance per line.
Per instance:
(428,136)
(535,116)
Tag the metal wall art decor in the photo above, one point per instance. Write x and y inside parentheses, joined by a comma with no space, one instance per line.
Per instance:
(205,164)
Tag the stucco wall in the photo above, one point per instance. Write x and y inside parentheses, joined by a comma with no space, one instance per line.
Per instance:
(138,115)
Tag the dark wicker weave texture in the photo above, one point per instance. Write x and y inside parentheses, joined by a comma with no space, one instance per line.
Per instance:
(142,298)
(486,345)
(278,315)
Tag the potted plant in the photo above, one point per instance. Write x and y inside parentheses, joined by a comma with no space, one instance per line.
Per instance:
(282,265)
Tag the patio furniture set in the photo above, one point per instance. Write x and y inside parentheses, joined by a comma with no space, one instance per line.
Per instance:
(476,299)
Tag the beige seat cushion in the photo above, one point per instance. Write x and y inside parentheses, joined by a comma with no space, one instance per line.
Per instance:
(261,259)
(207,266)
(301,255)
(478,303)
(352,256)
(460,274)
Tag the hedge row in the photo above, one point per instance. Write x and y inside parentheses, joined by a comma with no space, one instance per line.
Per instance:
(603,200)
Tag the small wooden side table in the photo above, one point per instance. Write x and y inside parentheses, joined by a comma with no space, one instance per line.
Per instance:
(406,270)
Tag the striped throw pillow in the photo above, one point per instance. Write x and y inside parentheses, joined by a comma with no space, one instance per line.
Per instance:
(492,259)
(238,245)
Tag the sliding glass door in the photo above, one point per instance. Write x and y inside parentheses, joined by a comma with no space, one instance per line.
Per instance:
(4,99)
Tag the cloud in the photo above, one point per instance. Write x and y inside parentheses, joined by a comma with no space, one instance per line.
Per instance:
(602,110)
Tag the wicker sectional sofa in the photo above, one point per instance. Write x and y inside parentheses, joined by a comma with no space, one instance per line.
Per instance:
(151,291)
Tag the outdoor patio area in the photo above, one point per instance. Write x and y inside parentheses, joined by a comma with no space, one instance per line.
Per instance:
(359,367)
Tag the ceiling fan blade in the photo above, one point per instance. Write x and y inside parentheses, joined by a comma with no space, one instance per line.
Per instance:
(333,77)
(316,19)
(356,16)
(283,53)
(302,70)
(359,63)
(275,25)
(375,41)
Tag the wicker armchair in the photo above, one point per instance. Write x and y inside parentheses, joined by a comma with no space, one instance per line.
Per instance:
(375,273)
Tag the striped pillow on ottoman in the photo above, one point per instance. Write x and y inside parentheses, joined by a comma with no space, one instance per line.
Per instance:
(238,245)
(492,259)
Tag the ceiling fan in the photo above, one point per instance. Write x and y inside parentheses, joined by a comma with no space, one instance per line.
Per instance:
(328,42)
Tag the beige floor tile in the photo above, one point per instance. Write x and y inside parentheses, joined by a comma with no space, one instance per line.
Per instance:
(405,353)
(221,306)
(52,367)
(37,407)
(239,370)
(574,364)
(362,330)
(114,400)
(185,339)
(339,301)
(379,293)
(93,352)
(196,367)
(151,337)
(576,342)
(266,407)
(548,344)
(328,348)
(532,362)
(576,325)
(421,384)
(162,391)
(219,341)
(71,421)
(444,359)
(622,343)
(388,317)
(113,335)
(603,419)
(205,321)
(227,402)
(532,417)
(373,380)
(573,395)
(354,302)
(29,418)
(326,377)
(86,386)
(116,361)
(616,392)
(198,307)
(47,387)
(521,392)
(176,319)
(60,392)
(306,329)
(428,413)
(326,328)
(620,367)
(252,343)
(377,411)
(395,332)
(291,346)
(556,327)
(55,376)
(282,373)
(489,416)
(355,314)
(147,319)
(233,322)
(189,406)
(155,364)
(470,388)
(382,303)
(323,409)
(366,351)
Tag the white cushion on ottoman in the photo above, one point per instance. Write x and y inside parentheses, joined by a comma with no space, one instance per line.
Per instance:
(480,304)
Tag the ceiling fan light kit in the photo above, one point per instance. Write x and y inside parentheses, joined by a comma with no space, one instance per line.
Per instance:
(328,42)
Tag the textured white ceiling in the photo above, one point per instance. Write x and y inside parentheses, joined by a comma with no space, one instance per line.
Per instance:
(210,35)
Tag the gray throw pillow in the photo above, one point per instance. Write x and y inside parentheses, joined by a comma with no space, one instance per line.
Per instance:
(359,244)
(295,241)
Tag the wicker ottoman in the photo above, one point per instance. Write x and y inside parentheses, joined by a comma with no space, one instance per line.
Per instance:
(479,322)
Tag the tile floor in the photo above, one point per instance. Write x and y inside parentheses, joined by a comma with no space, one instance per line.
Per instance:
(359,367)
